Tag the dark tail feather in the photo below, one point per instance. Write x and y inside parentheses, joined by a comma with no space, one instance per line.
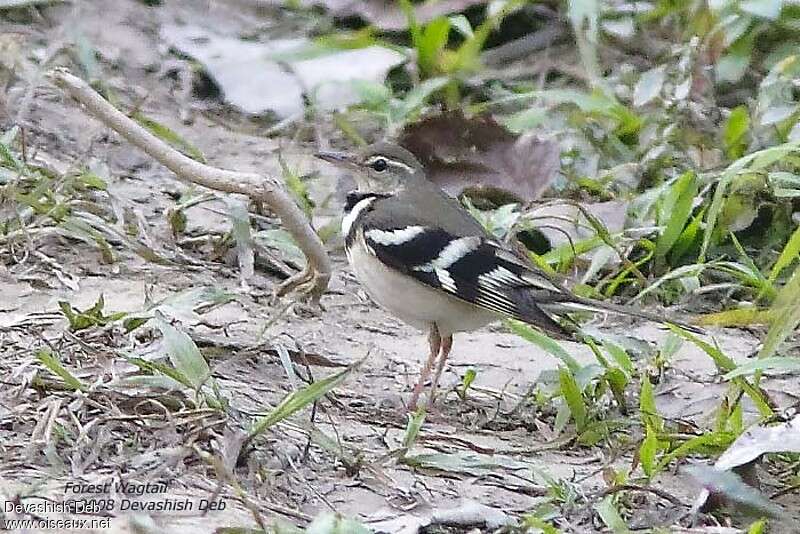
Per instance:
(574,303)
(531,313)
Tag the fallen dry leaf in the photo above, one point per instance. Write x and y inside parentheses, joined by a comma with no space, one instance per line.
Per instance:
(251,78)
(746,449)
(478,154)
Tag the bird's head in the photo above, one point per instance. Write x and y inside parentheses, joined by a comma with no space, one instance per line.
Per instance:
(381,167)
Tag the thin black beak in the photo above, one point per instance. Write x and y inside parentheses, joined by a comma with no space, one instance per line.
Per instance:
(337,158)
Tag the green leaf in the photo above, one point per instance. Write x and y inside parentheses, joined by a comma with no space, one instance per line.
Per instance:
(297,400)
(466,382)
(789,255)
(431,45)
(647,452)
(415,421)
(169,136)
(753,162)
(734,130)
(610,516)
(49,360)
(573,397)
(676,209)
(80,320)
(711,443)
(463,462)
(184,354)
(647,407)
(758,527)
(528,333)
(723,362)
(786,310)
(783,364)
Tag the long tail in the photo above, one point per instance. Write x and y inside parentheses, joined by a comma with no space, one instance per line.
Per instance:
(566,303)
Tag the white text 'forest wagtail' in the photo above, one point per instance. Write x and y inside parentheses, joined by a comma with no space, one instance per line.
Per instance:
(425,259)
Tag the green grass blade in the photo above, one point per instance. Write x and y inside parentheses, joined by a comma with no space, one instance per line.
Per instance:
(676,210)
(528,333)
(573,397)
(786,316)
(789,254)
(299,399)
(755,161)
(49,360)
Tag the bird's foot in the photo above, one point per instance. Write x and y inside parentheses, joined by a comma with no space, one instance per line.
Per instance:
(309,284)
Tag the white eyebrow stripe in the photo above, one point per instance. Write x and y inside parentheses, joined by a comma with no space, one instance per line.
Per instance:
(394,237)
(350,217)
(390,162)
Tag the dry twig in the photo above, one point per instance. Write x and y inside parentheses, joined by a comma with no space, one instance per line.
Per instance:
(259,188)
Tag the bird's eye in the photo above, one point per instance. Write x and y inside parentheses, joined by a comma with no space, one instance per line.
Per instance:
(379,165)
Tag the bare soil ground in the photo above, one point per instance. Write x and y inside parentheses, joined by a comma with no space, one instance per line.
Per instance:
(49,438)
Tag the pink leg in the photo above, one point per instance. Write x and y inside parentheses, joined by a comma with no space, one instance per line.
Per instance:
(435,341)
(447,344)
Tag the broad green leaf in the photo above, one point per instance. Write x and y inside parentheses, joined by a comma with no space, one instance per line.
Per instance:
(755,161)
(544,342)
(620,356)
(415,421)
(738,317)
(709,443)
(675,211)
(723,362)
(783,364)
(610,516)
(573,397)
(431,45)
(647,407)
(648,450)
(734,131)
(184,354)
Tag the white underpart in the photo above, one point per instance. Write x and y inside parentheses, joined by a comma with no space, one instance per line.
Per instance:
(454,251)
(394,237)
(412,301)
(350,218)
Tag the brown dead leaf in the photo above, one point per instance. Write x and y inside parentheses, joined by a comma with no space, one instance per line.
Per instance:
(478,154)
